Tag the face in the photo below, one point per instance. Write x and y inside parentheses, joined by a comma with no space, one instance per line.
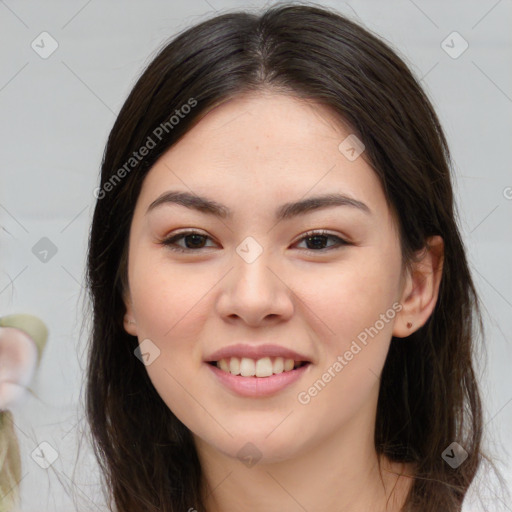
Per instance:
(323,282)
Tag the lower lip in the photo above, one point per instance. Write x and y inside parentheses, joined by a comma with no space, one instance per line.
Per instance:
(258,386)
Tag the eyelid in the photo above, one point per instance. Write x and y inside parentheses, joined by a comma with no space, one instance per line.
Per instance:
(341,242)
(167,241)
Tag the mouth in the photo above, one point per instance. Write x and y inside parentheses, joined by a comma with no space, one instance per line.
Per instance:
(264,367)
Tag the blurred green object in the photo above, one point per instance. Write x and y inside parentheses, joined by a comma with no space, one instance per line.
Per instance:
(10,460)
(31,325)
(10,463)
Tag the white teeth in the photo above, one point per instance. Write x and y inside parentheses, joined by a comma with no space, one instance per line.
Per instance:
(247,367)
(278,366)
(234,365)
(264,367)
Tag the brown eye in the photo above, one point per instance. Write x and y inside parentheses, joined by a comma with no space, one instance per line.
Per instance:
(193,240)
(317,239)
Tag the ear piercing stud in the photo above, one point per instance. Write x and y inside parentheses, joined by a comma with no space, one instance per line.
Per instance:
(409,325)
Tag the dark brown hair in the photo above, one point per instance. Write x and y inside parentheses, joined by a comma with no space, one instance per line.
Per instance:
(429,395)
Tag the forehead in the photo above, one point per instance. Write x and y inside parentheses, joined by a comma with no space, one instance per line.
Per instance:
(268,120)
(267,147)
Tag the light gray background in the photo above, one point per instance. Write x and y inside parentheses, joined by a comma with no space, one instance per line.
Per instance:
(56,114)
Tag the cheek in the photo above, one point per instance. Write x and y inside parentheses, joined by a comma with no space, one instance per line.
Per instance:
(165,297)
(352,296)
(357,307)
(169,312)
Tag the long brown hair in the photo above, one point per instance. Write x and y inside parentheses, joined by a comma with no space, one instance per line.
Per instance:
(429,395)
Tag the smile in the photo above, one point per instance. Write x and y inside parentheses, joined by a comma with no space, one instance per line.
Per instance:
(256,378)
(264,367)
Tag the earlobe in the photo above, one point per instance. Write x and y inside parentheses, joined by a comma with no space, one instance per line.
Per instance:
(130,326)
(421,288)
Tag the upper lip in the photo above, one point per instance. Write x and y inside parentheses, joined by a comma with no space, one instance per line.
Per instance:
(255,352)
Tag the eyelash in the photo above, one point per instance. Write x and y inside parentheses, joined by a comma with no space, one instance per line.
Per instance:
(170,242)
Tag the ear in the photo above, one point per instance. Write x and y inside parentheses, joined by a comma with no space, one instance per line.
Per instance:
(130,326)
(421,288)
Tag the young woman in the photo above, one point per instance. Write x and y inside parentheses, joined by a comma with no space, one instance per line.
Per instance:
(283,314)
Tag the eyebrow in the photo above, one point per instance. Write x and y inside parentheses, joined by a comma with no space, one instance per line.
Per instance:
(284,212)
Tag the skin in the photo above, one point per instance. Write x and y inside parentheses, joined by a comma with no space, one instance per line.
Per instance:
(253,153)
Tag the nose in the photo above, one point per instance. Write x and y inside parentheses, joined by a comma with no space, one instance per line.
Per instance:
(255,292)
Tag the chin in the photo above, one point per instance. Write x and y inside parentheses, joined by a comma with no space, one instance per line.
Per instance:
(257,447)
